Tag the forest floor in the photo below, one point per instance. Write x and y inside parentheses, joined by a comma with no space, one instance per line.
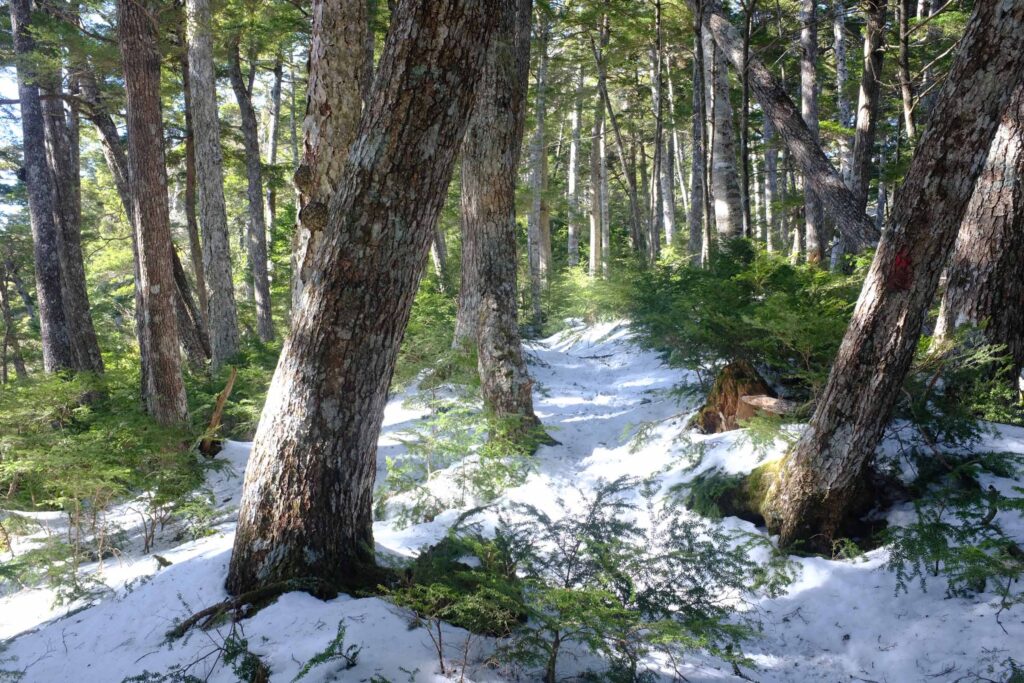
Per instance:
(596,391)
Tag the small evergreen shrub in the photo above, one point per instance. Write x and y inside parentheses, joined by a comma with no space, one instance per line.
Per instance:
(336,651)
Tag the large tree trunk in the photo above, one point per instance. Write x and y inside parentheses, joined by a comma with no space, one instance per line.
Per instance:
(490,158)
(837,200)
(194,242)
(306,507)
(58,350)
(822,477)
(725,183)
(813,217)
(334,103)
(140,52)
(986,272)
(256,227)
(221,312)
(64,171)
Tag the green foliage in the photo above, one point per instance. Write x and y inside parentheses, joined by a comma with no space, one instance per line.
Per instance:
(573,295)
(335,651)
(956,533)
(232,650)
(746,305)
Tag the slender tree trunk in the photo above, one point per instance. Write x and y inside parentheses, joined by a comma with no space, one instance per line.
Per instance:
(439,255)
(906,88)
(725,183)
(748,18)
(656,221)
(490,158)
(698,164)
(771,186)
(843,109)
(140,52)
(573,172)
(606,223)
(58,350)
(826,183)
(986,272)
(221,312)
(21,289)
(273,132)
(306,507)
(256,226)
(822,477)
(334,103)
(534,236)
(678,157)
(595,191)
(195,244)
(813,216)
(10,334)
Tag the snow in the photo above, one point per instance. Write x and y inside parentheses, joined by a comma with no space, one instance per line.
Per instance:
(595,391)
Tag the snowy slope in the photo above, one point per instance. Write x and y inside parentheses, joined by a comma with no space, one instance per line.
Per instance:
(840,621)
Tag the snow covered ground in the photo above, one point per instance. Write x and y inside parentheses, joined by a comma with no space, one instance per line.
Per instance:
(840,620)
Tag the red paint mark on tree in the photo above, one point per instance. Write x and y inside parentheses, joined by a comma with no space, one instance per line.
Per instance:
(902,271)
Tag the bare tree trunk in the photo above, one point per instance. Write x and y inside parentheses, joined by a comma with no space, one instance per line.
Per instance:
(748,18)
(490,158)
(20,288)
(725,184)
(534,236)
(826,183)
(10,334)
(698,165)
(306,507)
(574,164)
(140,52)
(58,350)
(273,132)
(771,186)
(822,477)
(256,226)
(906,88)
(596,201)
(221,312)
(439,255)
(986,272)
(606,223)
(334,103)
(843,109)
(195,245)
(813,216)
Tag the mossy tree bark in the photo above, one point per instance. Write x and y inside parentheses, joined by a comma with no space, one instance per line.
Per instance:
(307,499)
(826,469)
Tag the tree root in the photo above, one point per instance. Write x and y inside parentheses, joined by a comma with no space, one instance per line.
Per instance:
(254,600)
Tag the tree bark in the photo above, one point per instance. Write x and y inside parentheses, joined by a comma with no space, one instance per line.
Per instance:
(195,244)
(534,232)
(273,132)
(58,350)
(813,217)
(823,475)
(573,172)
(986,271)
(221,314)
(10,334)
(256,227)
(906,87)
(334,103)
(843,109)
(698,164)
(595,190)
(140,53)
(490,158)
(771,186)
(725,183)
(837,200)
(306,507)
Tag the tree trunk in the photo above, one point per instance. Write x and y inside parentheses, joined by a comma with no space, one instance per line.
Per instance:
(195,244)
(771,186)
(698,165)
(906,88)
(58,350)
(595,191)
(306,507)
(868,101)
(10,335)
(273,132)
(334,103)
(534,236)
(813,217)
(490,158)
(843,108)
(823,475)
(725,184)
(573,172)
(256,228)
(748,18)
(222,314)
(986,272)
(64,172)
(827,184)
(140,52)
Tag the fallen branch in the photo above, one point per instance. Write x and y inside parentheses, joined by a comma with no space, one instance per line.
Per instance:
(206,445)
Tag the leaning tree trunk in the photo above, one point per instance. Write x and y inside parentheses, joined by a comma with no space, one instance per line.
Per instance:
(986,272)
(822,477)
(256,237)
(222,314)
(64,171)
(490,158)
(58,351)
(827,184)
(140,52)
(334,103)
(725,183)
(306,507)
(813,217)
